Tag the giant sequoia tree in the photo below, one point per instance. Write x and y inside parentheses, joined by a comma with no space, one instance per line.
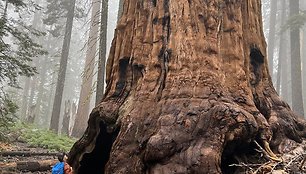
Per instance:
(187,84)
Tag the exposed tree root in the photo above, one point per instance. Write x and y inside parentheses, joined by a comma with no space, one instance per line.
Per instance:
(266,150)
(204,140)
(292,163)
(97,133)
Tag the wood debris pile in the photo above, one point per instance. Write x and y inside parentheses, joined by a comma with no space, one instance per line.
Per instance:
(293,162)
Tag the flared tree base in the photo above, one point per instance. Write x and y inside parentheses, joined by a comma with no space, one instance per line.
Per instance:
(182,136)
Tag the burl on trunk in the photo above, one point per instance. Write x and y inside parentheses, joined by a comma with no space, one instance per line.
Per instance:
(187,85)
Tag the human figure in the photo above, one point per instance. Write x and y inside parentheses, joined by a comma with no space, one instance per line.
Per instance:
(62,167)
(58,168)
(67,167)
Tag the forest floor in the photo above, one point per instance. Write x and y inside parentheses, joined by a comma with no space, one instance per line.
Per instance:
(13,162)
(28,149)
(293,161)
(39,151)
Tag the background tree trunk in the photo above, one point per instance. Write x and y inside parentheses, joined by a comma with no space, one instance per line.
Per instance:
(25,98)
(62,70)
(86,88)
(282,50)
(272,33)
(40,92)
(29,114)
(120,10)
(102,52)
(50,100)
(303,7)
(286,73)
(187,87)
(31,105)
(66,118)
(296,67)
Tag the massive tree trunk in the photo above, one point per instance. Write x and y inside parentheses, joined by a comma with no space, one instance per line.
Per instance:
(188,88)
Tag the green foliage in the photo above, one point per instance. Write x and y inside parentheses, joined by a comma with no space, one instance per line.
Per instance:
(295,22)
(17,49)
(7,118)
(44,138)
(17,3)
(56,11)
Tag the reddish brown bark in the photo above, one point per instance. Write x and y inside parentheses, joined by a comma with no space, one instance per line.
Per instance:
(188,88)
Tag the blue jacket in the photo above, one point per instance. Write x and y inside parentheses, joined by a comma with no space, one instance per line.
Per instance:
(58,168)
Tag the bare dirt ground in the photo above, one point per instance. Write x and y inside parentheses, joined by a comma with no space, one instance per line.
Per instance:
(22,147)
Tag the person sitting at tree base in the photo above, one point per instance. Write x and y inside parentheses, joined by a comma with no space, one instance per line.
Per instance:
(62,167)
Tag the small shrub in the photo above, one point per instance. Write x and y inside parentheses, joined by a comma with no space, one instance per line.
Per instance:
(7,115)
(44,138)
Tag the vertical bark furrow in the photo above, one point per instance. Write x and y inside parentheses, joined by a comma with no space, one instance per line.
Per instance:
(164,54)
(120,85)
(256,61)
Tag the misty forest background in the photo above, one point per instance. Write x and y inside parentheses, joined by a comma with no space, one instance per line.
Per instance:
(53,54)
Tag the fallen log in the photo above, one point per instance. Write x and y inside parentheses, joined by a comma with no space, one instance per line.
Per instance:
(30,166)
(28,153)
